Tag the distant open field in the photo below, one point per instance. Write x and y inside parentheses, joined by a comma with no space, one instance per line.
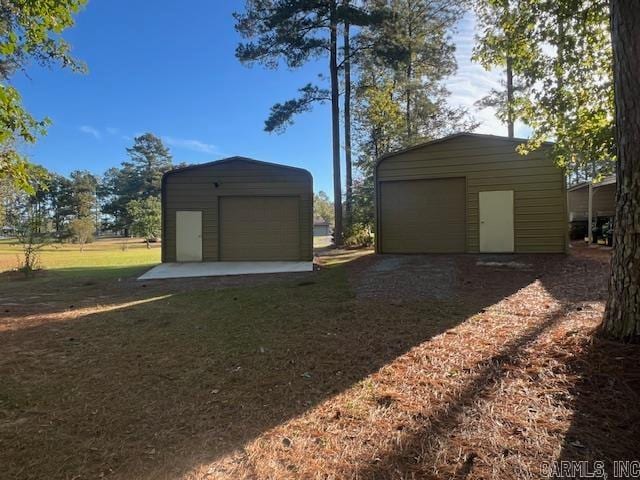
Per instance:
(67,257)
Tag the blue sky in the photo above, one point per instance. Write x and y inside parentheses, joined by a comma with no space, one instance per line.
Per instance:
(171,70)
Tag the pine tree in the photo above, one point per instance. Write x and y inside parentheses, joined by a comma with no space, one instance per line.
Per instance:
(293,32)
(421,56)
(400,99)
(149,159)
(496,49)
(622,315)
(137,179)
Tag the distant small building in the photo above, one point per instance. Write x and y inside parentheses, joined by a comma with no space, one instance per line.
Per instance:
(321,228)
(7,231)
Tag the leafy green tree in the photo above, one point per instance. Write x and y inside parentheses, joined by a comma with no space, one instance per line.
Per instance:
(379,128)
(364,202)
(419,55)
(30,231)
(30,218)
(561,57)
(400,99)
(82,230)
(380,123)
(37,193)
(30,30)
(83,186)
(60,199)
(323,207)
(11,200)
(146,218)
(118,188)
(499,47)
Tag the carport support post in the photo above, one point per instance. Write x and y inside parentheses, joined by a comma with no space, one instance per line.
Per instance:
(590,223)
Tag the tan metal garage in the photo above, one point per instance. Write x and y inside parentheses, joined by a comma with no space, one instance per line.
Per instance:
(237,209)
(423,215)
(470,193)
(259,228)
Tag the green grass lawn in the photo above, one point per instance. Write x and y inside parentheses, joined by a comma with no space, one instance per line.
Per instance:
(104,254)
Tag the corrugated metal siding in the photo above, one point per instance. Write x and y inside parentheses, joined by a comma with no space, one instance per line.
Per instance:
(423,216)
(321,230)
(604,202)
(259,228)
(493,164)
(194,189)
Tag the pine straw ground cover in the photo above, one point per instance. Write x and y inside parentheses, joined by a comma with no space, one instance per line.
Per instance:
(319,377)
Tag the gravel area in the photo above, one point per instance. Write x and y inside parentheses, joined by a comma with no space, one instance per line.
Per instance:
(402,277)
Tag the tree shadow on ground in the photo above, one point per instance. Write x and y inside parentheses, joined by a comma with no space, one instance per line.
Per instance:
(606,397)
(606,421)
(57,291)
(155,389)
(606,401)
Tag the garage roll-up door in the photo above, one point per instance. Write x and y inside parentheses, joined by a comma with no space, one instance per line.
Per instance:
(259,228)
(423,216)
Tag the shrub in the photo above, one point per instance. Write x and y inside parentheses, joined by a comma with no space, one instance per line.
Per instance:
(30,235)
(82,231)
(358,235)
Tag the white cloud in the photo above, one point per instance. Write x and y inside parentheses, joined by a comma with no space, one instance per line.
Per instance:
(191,144)
(89,130)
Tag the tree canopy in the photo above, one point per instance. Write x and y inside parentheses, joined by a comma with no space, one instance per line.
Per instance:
(146,217)
(138,178)
(30,30)
(400,98)
(561,54)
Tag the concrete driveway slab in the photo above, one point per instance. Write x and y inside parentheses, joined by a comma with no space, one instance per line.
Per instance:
(217,269)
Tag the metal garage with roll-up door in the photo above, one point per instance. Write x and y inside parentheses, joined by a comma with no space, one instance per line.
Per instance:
(470,193)
(237,209)
(423,215)
(259,228)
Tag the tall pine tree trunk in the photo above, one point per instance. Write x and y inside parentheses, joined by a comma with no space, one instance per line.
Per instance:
(347,120)
(510,120)
(408,99)
(622,315)
(335,123)
(409,73)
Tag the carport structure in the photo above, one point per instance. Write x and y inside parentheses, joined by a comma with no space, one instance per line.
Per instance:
(588,201)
